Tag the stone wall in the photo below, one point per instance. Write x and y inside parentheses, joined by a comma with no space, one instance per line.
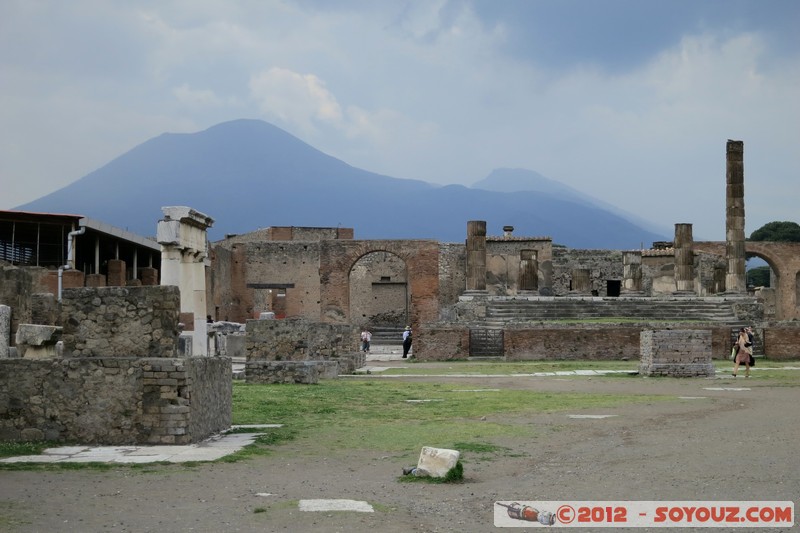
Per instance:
(114,401)
(17,285)
(288,268)
(452,273)
(120,321)
(676,353)
(306,351)
(298,340)
(440,342)
(782,342)
(603,265)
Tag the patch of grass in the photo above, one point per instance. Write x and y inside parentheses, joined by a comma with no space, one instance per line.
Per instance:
(373,415)
(454,475)
(495,367)
(13,449)
(260,510)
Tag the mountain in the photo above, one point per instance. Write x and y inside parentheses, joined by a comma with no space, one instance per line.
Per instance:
(520,179)
(249,174)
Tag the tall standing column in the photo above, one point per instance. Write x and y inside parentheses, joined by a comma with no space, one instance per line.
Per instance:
(184,251)
(684,259)
(735,277)
(476,255)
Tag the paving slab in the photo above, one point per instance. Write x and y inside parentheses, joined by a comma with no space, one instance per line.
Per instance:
(210,449)
(335,505)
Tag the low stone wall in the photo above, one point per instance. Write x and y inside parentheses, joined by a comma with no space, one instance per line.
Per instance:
(676,353)
(308,372)
(440,343)
(115,401)
(298,340)
(782,342)
(120,321)
(567,342)
(305,372)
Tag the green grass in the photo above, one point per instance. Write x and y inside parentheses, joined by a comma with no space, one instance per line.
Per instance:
(13,449)
(388,416)
(495,367)
(352,414)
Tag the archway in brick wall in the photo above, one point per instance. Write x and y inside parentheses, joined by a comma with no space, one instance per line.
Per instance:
(379,294)
(339,257)
(783,259)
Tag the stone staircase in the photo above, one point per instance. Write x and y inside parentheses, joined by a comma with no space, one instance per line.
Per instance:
(387,336)
(502,312)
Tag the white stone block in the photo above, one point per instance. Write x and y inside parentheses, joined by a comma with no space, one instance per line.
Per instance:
(436,462)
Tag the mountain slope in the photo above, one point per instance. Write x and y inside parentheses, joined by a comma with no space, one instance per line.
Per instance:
(248,174)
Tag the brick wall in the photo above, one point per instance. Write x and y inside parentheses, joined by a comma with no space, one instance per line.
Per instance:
(676,353)
(782,343)
(438,342)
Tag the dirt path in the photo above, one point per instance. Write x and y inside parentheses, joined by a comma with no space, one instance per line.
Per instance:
(729,445)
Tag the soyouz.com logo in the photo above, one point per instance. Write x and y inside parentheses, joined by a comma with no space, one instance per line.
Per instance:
(674,514)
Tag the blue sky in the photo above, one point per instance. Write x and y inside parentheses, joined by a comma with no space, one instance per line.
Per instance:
(630,101)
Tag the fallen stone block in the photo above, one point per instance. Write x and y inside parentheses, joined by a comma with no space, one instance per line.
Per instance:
(436,462)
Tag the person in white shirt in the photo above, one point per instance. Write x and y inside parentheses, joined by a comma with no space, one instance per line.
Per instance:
(366,337)
(406,341)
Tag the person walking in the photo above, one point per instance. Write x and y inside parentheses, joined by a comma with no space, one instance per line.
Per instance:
(742,353)
(406,341)
(366,337)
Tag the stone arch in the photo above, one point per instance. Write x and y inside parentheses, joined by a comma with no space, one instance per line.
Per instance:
(379,290)
(337,258)
(784,260)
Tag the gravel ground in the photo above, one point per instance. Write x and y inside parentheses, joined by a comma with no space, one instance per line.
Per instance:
(727,445)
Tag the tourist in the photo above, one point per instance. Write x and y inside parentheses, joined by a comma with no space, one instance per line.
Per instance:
(406,341)
(366,337)
(742,353)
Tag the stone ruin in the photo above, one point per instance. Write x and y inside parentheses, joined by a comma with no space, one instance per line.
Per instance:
(110,371)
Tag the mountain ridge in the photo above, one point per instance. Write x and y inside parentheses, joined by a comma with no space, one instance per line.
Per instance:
(248,174)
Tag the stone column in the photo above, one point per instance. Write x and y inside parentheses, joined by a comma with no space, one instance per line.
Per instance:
(684,259)
(735,278)
(184,251)
(5,330)
(476,255)
(528,271)
(632,272)
(581,281)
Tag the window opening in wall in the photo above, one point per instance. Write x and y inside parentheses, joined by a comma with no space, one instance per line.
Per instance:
(386,278)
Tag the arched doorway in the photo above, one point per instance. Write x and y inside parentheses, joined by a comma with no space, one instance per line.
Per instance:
(379,293)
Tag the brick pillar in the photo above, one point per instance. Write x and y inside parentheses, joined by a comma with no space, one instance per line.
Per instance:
(149,276)
(95,280)
(735,278)
(476,255)
(116,273)
(684,259)
(528,270)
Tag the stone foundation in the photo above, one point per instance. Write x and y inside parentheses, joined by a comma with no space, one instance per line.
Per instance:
(676,353)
